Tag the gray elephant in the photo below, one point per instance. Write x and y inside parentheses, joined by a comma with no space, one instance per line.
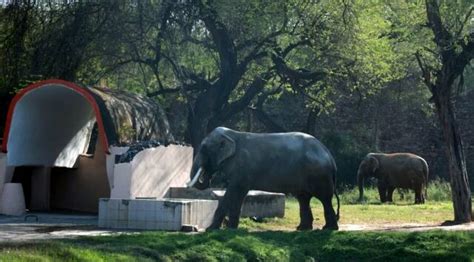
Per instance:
(398,170)
(294,163)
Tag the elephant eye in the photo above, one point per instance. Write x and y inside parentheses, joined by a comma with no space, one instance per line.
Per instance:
(221,145)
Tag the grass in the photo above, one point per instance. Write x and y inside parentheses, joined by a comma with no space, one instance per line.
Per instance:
(438,208)
(241,245)
(276,240)
(373,214)
(438,191)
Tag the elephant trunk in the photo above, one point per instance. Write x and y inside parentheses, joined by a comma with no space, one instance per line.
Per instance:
(198,174)
(195,178)
(360,180)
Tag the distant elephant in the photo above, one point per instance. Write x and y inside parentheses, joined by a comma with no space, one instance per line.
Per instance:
(295,163)
(398,170)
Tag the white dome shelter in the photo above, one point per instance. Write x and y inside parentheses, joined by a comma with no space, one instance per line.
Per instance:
(63,142)
(56,134)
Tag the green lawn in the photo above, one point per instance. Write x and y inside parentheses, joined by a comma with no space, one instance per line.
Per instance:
(369,213)
(241,245)
(276,240)
(437,209)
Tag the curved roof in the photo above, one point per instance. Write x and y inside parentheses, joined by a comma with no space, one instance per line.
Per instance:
(121,117)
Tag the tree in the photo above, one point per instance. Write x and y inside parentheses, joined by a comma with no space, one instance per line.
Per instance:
(454,51)
(206,54)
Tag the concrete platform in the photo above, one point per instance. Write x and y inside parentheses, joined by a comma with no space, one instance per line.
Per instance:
(156,214)
(256,204)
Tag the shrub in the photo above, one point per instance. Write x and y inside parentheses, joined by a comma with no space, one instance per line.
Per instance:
(438,190)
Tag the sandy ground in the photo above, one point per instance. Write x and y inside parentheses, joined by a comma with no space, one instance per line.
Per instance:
(43,226)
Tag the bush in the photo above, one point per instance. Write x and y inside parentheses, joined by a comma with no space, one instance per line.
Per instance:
(347,153)
(438,191)
(350,195)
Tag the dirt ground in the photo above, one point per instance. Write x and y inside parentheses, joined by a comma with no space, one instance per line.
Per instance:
(44,226)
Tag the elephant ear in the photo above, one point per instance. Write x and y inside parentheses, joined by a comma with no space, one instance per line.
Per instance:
(375,163)
(226,148)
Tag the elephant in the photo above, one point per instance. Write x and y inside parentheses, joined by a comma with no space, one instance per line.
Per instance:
(292,163)
(397,170)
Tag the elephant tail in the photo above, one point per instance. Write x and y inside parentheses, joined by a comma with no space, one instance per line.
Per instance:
(335,190)
(338,204)
(425,172)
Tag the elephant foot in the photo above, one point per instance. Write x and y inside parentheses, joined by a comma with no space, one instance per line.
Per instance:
(304,227)
(212,227)
(331,227)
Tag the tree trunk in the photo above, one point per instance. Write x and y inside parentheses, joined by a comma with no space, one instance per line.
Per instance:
(199,117)
(460,189)
(197,130)
(310,126)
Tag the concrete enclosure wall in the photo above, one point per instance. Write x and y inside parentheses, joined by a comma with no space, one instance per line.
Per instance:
(152,172)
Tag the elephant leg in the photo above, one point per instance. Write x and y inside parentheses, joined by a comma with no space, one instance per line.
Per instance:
(390,194)
(329,214)
(419,194)
(423,196)
(382,192)
(306,217)
(231,203)
(235,207)
(219,215)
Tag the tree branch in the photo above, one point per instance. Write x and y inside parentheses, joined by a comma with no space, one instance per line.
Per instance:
(464,22)
(262,116)
(426,73)
(443,37)
(253,89)
(265,119)
(296,75)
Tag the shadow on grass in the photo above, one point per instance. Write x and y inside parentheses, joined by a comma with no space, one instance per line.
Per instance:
(241,245)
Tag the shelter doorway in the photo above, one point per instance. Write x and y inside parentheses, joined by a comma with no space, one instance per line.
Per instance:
(56,152)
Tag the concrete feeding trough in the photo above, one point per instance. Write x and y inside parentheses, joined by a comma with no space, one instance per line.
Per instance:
(183,208)
(160,214)
(259,204)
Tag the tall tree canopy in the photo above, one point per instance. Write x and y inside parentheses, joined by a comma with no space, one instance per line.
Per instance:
(241,63)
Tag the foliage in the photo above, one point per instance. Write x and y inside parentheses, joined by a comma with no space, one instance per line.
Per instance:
(438,191)
(347,153)
(241,245)
(180,51)
(301,62)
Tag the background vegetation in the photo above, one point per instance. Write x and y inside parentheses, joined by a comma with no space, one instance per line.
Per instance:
(344,71)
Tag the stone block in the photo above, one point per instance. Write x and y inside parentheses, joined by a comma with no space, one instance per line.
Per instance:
(256,204)
(156,214)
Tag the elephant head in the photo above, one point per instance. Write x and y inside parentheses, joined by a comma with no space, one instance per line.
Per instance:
(214,150)
(367,168)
